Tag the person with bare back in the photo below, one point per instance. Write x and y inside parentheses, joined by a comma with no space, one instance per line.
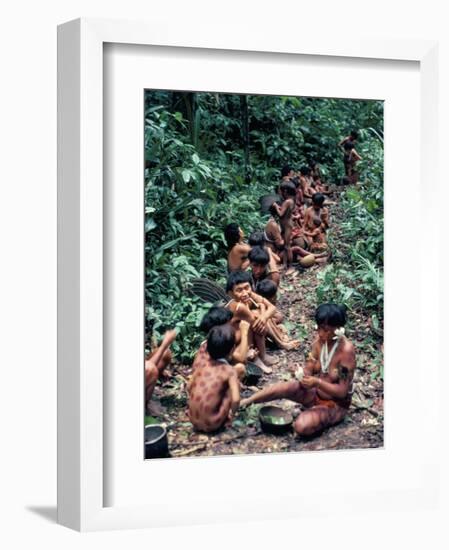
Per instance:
(214,389)
(325,385)
(272,233)
(217,316)
(353,137)
(154,367)
(237,249)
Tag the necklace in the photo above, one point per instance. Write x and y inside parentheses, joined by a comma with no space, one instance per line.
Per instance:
(326,356)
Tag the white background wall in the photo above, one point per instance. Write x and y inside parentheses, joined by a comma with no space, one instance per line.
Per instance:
(28,274)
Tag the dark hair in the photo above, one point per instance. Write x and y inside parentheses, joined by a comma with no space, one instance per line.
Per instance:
(258,255)
(348,146)
(295,181)
(257,238)
(288,187)
(220,341)
(345,180)
(232,234)
(305,170)
(333,315)
(266,288)
(354,134)
(272,210)
(214,317)
(318,199)
(286,169)
(237,278)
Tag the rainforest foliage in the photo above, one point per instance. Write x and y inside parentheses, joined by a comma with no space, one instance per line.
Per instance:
(209,158)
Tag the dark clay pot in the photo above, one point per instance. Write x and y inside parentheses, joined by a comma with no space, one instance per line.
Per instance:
(156,441)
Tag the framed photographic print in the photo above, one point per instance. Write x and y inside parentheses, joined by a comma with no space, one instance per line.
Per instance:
(221,197)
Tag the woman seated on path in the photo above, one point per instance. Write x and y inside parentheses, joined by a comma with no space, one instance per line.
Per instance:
(324,386)
(272,233)
(316,223)
(237,249)
(214,392)
(218,316)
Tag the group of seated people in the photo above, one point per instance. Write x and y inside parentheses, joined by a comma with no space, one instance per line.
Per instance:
(237,332)
(323,386)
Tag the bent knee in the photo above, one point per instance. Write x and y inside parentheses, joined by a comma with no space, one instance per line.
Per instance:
(304,425)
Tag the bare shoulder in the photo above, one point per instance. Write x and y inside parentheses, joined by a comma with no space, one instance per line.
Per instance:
(348,353)
(316,347)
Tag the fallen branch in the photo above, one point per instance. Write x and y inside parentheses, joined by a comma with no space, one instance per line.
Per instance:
(186,452)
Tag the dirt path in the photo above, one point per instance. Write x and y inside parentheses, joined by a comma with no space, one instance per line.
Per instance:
(362,427)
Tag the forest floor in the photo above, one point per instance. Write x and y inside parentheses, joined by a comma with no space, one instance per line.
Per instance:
(363,426)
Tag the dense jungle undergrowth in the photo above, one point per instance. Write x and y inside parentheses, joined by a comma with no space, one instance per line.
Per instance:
(208,159)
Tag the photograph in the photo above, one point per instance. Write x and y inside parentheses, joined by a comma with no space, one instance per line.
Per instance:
(264,262)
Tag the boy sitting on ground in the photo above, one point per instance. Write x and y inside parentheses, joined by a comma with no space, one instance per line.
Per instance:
(218,316)
(259,260)
(257,238)
(214,392)
(268,290)
(258,311)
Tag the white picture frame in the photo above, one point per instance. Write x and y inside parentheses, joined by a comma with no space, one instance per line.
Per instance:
(81,474)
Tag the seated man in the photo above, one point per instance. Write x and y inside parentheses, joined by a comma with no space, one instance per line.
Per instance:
(214,392)
(237,249)
(154,367)
(259,260)
(258,311)
(324,387)
(218,316)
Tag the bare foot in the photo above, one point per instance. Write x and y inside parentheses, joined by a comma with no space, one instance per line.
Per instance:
(270,361)
(290,271)
(258,361)
(154,409)
(252,354)
(293,344)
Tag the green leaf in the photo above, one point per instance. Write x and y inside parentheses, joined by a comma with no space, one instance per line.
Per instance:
(150,224)
(186,175)
(195,158)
